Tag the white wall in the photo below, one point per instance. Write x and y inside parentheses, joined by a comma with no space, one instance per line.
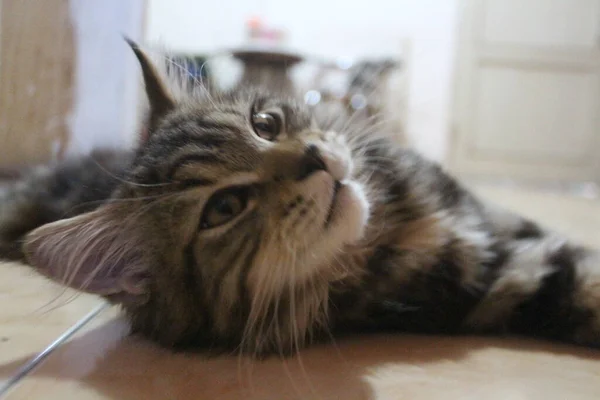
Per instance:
(106,82)
(335,28)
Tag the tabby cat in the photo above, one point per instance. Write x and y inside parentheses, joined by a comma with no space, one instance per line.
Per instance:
(241,224)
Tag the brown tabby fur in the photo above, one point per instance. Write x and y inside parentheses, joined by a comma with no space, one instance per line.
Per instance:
(407,248)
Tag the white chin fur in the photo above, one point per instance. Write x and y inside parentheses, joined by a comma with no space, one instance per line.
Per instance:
(351,214)
(347,226)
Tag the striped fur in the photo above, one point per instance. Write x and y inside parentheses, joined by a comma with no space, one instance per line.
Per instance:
(402,246)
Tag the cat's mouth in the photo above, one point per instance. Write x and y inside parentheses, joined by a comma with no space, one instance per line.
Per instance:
(342,205)
(336,189)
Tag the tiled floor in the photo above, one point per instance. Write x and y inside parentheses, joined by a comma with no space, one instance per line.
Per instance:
(100,362)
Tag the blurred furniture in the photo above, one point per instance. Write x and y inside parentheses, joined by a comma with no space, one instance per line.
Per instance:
(365,87)
(193,66)
(267,68)
(368,91)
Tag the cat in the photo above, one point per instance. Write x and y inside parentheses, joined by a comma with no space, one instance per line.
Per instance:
(240,224)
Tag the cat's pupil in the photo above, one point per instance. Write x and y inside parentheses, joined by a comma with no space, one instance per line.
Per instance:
(263,126)
(225,206)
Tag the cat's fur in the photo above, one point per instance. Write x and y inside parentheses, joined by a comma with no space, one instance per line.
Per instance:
(49,193)
(405,248)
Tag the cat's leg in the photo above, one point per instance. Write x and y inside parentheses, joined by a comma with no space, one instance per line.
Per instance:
(544,287)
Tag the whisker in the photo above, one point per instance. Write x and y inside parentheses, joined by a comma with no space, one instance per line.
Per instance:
(122,180)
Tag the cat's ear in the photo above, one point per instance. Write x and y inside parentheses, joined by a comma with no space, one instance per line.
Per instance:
(161,101)
(92,254)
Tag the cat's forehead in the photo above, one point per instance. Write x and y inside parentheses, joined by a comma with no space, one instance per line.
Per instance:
(297,115)
(238,108)
(216,133)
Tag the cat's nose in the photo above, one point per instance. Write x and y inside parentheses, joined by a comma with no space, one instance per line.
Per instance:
(311,162)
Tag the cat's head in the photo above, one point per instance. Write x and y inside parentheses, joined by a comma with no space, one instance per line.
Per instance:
(227,228)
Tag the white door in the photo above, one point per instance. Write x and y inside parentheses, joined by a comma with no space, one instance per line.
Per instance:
(528,90)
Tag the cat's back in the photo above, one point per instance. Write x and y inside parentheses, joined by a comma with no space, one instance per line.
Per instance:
(49,193)
(400,176)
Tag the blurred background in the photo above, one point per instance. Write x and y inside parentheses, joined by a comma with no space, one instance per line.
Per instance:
(496,90)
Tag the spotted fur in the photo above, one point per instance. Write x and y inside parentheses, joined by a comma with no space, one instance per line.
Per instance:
(342,232)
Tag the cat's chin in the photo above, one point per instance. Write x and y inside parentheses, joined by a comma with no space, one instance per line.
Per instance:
(349,213)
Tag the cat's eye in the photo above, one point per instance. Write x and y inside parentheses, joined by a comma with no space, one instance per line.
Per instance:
(224,206)
(266,125)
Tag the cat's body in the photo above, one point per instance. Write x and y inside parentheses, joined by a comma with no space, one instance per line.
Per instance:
(241,225)
(50,193)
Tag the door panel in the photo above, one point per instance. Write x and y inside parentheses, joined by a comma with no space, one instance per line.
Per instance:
(542,123)
(528,90)
(548,23)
